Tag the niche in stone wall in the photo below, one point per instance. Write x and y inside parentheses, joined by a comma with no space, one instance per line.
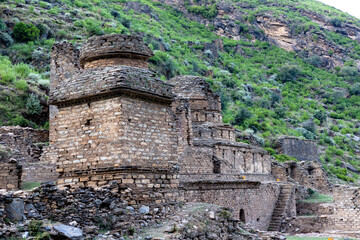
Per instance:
(242,216)
(216,167)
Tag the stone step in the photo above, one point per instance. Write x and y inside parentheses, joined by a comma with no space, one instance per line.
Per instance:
(275,223)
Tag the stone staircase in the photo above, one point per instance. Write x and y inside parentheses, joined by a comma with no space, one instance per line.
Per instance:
(280,207)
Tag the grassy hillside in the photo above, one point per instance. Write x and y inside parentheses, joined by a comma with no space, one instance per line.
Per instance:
(266,91)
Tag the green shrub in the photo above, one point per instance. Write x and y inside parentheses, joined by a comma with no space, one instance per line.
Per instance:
(18,120)
(336,22)
(306,133)
(208,12)
(126,22)
(2,25)
(274,98)
(35,227)
(5,39)
(270,150)
(46,126)
(314,60)
(348,71)
(289,73)
(241,116)
(92,26)
(320,115)
(25,32)
(21,85)
(8,77)
(355,89)
(284,158)
(280,111)
(33,105)
(22,70)
(310,126)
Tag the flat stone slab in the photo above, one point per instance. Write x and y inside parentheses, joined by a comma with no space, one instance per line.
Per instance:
(69,231)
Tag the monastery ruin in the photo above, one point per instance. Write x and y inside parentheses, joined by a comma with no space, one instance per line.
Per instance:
(112,121)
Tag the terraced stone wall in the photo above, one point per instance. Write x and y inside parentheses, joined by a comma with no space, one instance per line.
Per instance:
(346,208)
(254,199)
(10,176)
(302,150)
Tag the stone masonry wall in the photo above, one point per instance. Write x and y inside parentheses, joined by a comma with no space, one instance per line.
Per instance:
(308,174)
(116,61)
(111,207)
(115,132)
(106,80)
(114,46)
(346,208)
(257,202)
(10,176)
(302,150)
(25,144)
(39,172)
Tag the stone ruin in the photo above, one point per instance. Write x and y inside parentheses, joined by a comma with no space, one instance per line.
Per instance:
(21,150)
(111,119)
(114,125)
(301,149)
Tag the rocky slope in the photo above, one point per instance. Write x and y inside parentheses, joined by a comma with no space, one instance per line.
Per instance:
(281,67)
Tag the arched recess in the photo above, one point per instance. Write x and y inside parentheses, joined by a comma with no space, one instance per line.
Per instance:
(242,216)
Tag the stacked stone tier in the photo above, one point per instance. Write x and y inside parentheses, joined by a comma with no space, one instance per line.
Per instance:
(114,47)
(92,83)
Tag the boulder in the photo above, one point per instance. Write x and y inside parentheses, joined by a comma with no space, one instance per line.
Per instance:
(144,210)
(69,232)
(15,209)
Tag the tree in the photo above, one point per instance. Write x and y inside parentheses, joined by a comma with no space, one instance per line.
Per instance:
(241,116)
(25,32)
(33,105)
(320,115)
(289,73)
(355,89)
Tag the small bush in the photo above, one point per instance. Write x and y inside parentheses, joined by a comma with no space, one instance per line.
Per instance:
(284,158)
(208,12)
(5,39)
(226,214)
(25,32)
(280,112)
(8,77)
(35,227)
(33,105)
(348,71)
(320,115)
(126,22)
(21,85)
(307,134)
(289,73)
(22,70)
(314,60)
(2,25)
(275,98)
(270,150)
(355,89)
(114,13)
(310,126)
(241,116)
(336,22)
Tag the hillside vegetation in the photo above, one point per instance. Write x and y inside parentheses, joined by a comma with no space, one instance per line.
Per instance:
(281,67)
